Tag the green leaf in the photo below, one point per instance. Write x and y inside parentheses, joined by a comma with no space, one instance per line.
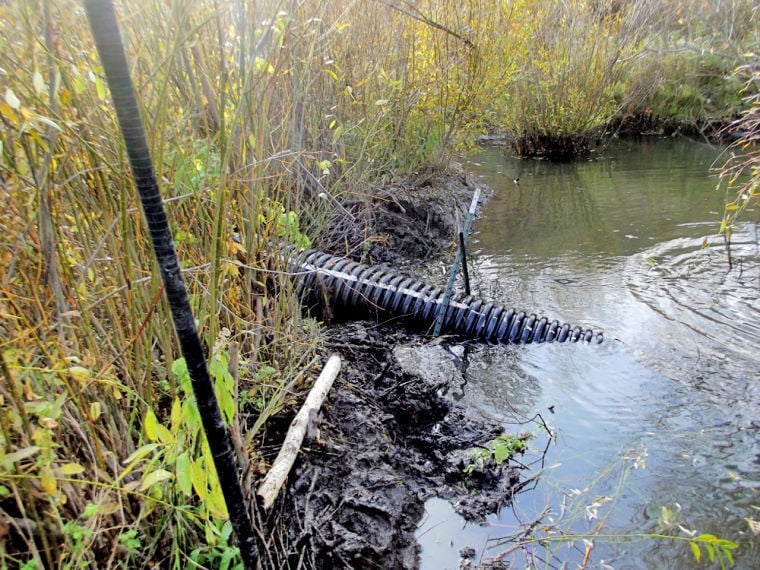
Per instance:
(501,453)
(139,453)
(155,477)
(100,88)
(192,417)
(179,369)
(695,549)
(156,431)
(184,474)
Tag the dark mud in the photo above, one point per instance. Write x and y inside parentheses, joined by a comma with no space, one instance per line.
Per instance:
(412,220)
(386,441)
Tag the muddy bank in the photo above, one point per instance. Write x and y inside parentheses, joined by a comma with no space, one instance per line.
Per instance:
(386,441)
(390,436)
(411,220)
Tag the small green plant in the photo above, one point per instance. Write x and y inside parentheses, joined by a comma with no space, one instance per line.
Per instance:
(223,555)
(497,451)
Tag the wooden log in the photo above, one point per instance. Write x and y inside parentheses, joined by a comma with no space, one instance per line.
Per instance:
(278,473)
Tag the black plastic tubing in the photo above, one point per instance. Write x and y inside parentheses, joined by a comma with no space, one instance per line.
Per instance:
(361,289)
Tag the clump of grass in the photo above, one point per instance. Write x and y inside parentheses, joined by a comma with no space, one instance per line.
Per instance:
(573,57)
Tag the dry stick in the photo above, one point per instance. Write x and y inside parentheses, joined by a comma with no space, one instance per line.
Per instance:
(274,480)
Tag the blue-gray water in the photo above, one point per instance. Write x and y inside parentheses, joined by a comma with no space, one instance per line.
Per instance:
(660,425)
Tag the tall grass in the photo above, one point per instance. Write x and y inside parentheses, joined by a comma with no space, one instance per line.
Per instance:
(574,55)
(684,76)
(261,117)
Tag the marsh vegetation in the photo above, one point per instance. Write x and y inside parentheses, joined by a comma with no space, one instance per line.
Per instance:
(268,122)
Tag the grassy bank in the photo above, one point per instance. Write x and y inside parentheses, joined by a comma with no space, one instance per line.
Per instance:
(262,118)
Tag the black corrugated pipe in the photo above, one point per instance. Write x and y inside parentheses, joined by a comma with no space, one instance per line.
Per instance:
(375,290)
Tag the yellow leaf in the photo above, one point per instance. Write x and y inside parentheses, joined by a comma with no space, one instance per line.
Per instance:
(176,415)
(263,65)
(100,88)
(70,469)
(7,112)
(198,478)
(79,373)
(47,481)
(157,432)
(150,426)
(95,410)
(697,552)
(64,97)
(215,502)
(108,508)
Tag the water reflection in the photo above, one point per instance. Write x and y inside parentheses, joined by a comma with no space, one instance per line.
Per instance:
(670,403)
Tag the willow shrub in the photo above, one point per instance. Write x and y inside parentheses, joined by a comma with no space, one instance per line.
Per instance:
(571,60)
(684,77)
(261,117)
(740,173)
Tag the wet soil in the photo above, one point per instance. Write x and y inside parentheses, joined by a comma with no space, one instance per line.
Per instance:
(386,441)
(414,219)
(389,437)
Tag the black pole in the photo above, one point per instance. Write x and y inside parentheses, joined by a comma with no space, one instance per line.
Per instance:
(465,272)
(105,29)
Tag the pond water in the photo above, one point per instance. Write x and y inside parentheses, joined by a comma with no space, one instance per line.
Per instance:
(657,427)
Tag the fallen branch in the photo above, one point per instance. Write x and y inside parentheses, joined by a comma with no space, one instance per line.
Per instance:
(274,480)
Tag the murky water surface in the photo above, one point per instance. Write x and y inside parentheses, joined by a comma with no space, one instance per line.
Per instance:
(660,425)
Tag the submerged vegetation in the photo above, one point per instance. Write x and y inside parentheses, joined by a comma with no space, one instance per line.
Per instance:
(262,118)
